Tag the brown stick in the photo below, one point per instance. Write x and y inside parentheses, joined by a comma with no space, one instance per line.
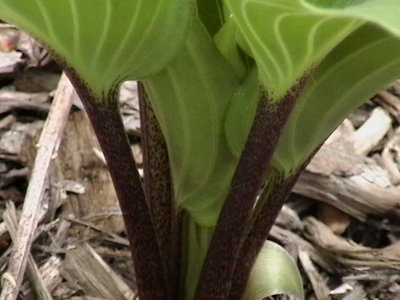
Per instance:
(219,265)
(38,284)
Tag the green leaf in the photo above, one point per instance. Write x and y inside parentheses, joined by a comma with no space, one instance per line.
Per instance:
(196,239)
(241,112)
(105,41)
(225,41)
(287,38)
(274,272)
(190,98)
(211,13)
(350,64)
(365,62)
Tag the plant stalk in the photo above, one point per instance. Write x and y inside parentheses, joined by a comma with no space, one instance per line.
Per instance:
(277,189)
(271,201)
(159,192)
(109,129)
(234,220)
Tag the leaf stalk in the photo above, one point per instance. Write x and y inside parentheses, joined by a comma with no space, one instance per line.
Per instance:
(109,129)
(271,201)
(159,193)
(217,273)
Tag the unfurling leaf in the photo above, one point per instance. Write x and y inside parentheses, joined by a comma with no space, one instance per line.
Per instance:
(274,272)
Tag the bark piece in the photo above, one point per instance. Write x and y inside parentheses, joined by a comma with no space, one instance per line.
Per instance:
(84,268)
(334,218)
(29,219)
(318,282)
(372,131)
(11,220)
(289,238)
(13,143)
(77,162)
(390,157)
(347,252)
(390,102)
(9,62)
(352,183)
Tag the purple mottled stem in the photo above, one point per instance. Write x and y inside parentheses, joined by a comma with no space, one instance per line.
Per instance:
(235,218)
(108,126)
(159,192)
(276,193)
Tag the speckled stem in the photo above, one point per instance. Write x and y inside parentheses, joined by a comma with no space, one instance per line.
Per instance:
(276,190)
(159,192)
(108,126)
(273,197)
(217,274)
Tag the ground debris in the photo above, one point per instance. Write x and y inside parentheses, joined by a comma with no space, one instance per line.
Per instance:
(341,223)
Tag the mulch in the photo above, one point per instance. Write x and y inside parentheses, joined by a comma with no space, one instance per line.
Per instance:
(340,223)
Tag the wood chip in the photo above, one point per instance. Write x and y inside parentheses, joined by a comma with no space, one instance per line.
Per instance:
(14,140)
(84,268)
(318,282)
(78,162)
(372,131)
(347,252)
(289,238)
(10,218)
(29,219)
(335,219)
(390,157)
(9,61)
(352,183)
(389,102)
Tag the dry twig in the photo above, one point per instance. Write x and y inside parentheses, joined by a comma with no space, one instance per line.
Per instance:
(317,280)
(11,219)
(352,183)
(48,143)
